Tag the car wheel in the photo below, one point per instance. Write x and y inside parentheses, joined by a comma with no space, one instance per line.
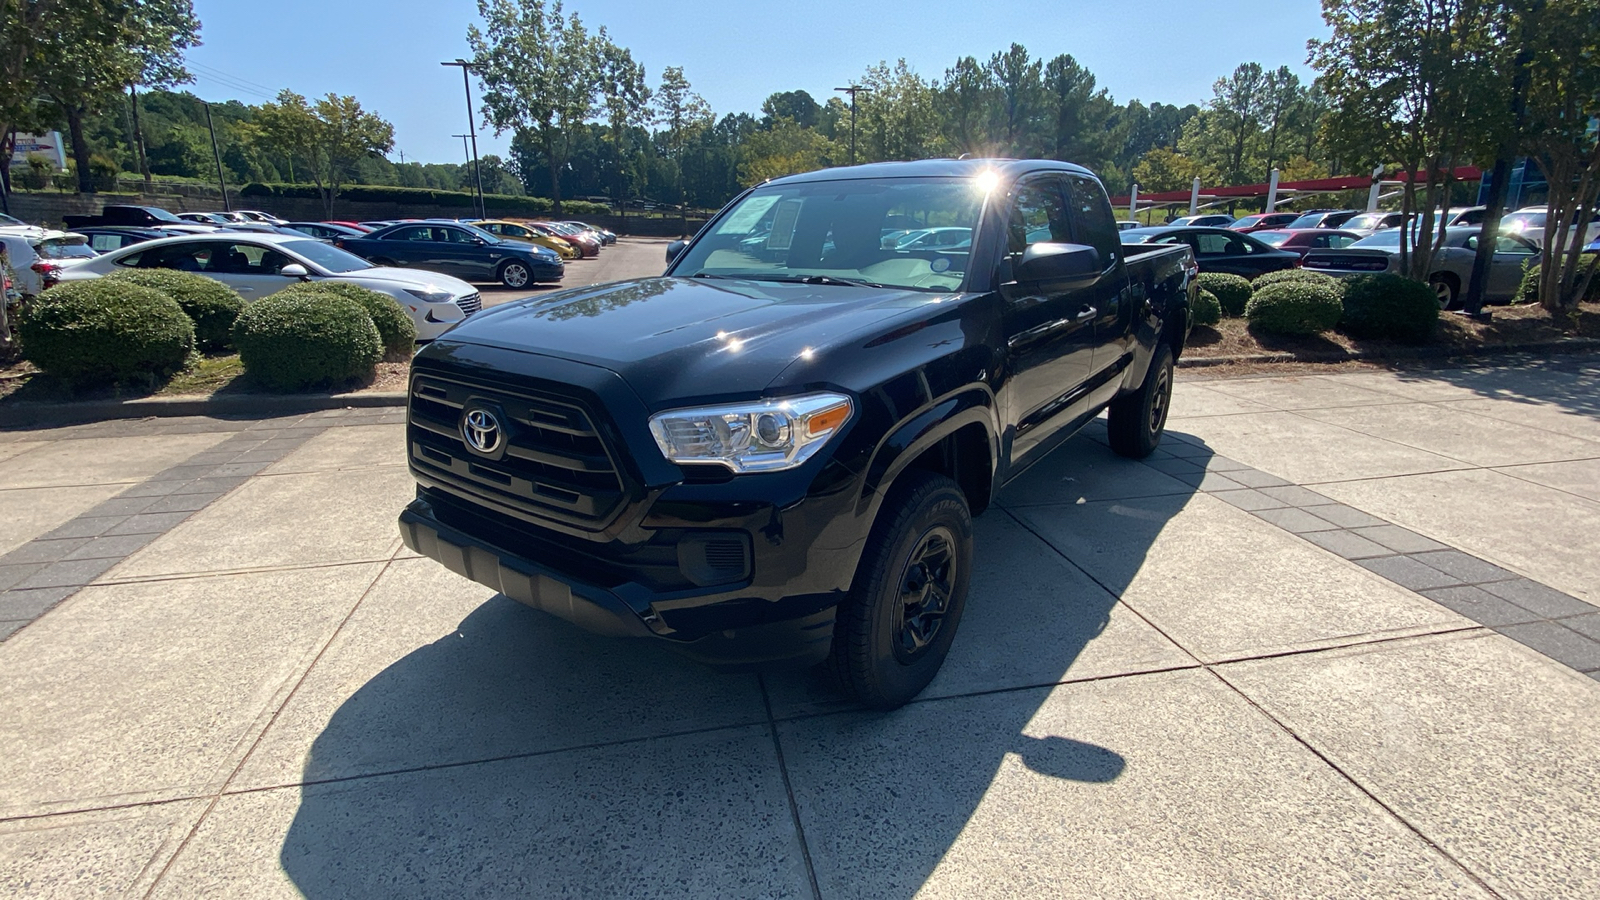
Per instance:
(515,275)
(1444,287)
(894,629)
(1137,420)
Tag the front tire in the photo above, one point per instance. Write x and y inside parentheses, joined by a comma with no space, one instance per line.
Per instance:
(515,275)
(1444,287)
(1137,420)
(892,633)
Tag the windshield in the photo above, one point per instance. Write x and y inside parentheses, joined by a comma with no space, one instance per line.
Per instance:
(1248,221)
(327,256)
(1523,220)
(66,248)
(1275,238)
(911,233)
(1390,238)
(160,214)
(1367,220)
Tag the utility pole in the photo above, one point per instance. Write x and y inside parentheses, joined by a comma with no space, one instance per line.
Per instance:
(221,184)
(138,137)
(853,90)
(472,130)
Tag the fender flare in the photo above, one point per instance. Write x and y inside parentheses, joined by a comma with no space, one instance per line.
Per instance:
(926,428)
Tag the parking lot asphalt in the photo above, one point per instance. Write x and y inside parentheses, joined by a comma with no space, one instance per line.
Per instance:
(1337,639)
(629,258)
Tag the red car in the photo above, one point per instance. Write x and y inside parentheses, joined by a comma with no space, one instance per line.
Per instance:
(1305,240)
(356,225)
(1262,222)
(586,245)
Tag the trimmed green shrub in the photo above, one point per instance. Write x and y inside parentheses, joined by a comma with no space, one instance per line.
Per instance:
(294,343)
(104,330)
(210,304)
(1528,291)
(1232,291)
(1207,310)
(1389,306)
(395,328)
(1295,308)
(1297,276)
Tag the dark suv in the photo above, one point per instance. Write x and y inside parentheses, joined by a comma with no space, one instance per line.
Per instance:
(773,453)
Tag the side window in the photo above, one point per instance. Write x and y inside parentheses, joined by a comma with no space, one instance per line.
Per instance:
(1240,247)
(458,236)
(1322,242)
(1037,216)
(414,233)
(1211,245)
(183,257)
(1093,219)
(1504,244)
(1340,241)
(105,242)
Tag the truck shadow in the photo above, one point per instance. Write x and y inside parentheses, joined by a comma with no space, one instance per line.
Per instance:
(702,811)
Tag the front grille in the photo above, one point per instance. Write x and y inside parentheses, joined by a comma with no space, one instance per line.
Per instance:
(556,465)
(470,304)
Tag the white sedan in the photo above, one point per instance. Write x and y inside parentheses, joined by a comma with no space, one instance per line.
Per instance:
(256,265)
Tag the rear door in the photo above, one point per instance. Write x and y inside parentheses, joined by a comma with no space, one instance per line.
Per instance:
(249,268)
(1049,324)
(1512,256)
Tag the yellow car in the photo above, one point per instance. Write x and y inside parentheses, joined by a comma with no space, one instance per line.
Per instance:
(522,233)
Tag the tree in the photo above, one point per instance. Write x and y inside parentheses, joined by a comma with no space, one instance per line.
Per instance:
(626,97)
(542,72)
(1238,105)
(797,106)
(89,53)
(783,149)
(967,98)
(1418,83)
(324,140)
(1163,170)
(1282,102)
(899,115)
(1562,98)
(680,108)
(1079,116)
(1019,91)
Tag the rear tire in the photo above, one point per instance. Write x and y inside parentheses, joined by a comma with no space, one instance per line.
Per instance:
(1137,420)
(892,633)
(515,275)
(1445,288)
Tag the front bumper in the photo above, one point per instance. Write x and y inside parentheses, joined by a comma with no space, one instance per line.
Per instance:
(630,610)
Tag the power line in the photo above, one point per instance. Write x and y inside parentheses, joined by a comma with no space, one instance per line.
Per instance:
(219,73)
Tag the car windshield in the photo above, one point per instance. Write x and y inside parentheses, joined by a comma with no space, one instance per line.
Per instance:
(893,232)
(1275,238)
(1248,221)
(65,249)
(160,214)
(9,220)
(327,256)
(1390,238)
(1366,220)
(1309,220)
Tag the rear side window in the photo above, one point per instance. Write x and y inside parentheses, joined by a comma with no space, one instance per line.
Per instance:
(1038,215)
(1092,218)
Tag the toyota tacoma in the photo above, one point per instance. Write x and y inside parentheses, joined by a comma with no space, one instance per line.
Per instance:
(772,454)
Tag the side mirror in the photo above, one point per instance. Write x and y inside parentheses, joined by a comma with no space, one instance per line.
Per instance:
(294,270)
(1050,262)
(675,249)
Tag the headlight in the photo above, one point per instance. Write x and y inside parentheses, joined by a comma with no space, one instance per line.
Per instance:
(759,436)
(431,296)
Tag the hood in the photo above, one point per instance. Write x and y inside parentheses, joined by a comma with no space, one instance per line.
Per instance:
(679,339)
(410,278)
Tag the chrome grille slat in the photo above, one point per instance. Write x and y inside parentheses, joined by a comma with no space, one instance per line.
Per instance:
(471,304)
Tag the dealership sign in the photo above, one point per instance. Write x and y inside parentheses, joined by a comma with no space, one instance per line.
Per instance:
(45,145)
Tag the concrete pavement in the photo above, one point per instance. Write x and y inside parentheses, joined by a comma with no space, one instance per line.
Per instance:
(1336,639)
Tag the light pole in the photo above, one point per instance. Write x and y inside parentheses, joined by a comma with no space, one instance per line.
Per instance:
(464,151)
(853,90)
(223,185)
(472,130)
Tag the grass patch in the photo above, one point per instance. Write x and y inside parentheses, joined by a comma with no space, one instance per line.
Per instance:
(205,375)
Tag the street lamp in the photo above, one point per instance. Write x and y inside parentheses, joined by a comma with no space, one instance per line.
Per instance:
(472,131)
(217,154)
(853,90)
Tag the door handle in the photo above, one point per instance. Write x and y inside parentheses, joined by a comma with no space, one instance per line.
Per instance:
(1088,312)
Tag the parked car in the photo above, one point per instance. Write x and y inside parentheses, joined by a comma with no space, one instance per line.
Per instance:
(38,258)
(325,230)
(257,265)
(518,232)
(1371,223)
(1124,225)
(256,215)
(1530,222)
(949,238)
(1324,218)
(771,460)
(606,237)
(356,225)
(206,218)
(105,238)
(1452,267)
(1210,220)
(1262,222)
(1470,215)
(587,244)
(460,250)
(1218,249)
(1304,240)
(378,224)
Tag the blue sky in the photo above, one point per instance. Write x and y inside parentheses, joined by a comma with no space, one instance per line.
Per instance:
(387,52)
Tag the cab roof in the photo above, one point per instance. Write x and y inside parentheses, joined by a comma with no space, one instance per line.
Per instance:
(1008,169)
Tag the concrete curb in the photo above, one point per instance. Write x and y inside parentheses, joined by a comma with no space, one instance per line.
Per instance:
(1563,345)
(242,405)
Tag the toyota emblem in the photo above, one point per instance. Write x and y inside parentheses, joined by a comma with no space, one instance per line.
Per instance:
(482,431)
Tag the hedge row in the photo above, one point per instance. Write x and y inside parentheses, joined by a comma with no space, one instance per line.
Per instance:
(367,193)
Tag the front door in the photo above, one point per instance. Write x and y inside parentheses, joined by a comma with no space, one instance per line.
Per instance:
(1049,324)
(1512,256)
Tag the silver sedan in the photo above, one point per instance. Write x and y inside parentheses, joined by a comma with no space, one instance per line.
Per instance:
(1452,268)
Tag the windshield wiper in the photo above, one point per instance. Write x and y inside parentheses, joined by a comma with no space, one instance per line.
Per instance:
(819,279)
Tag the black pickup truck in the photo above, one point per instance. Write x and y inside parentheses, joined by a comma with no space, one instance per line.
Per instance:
(773,453)
(140,216)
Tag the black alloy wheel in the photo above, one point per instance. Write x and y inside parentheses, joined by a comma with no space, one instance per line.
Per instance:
(927,584)
(1136,421)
